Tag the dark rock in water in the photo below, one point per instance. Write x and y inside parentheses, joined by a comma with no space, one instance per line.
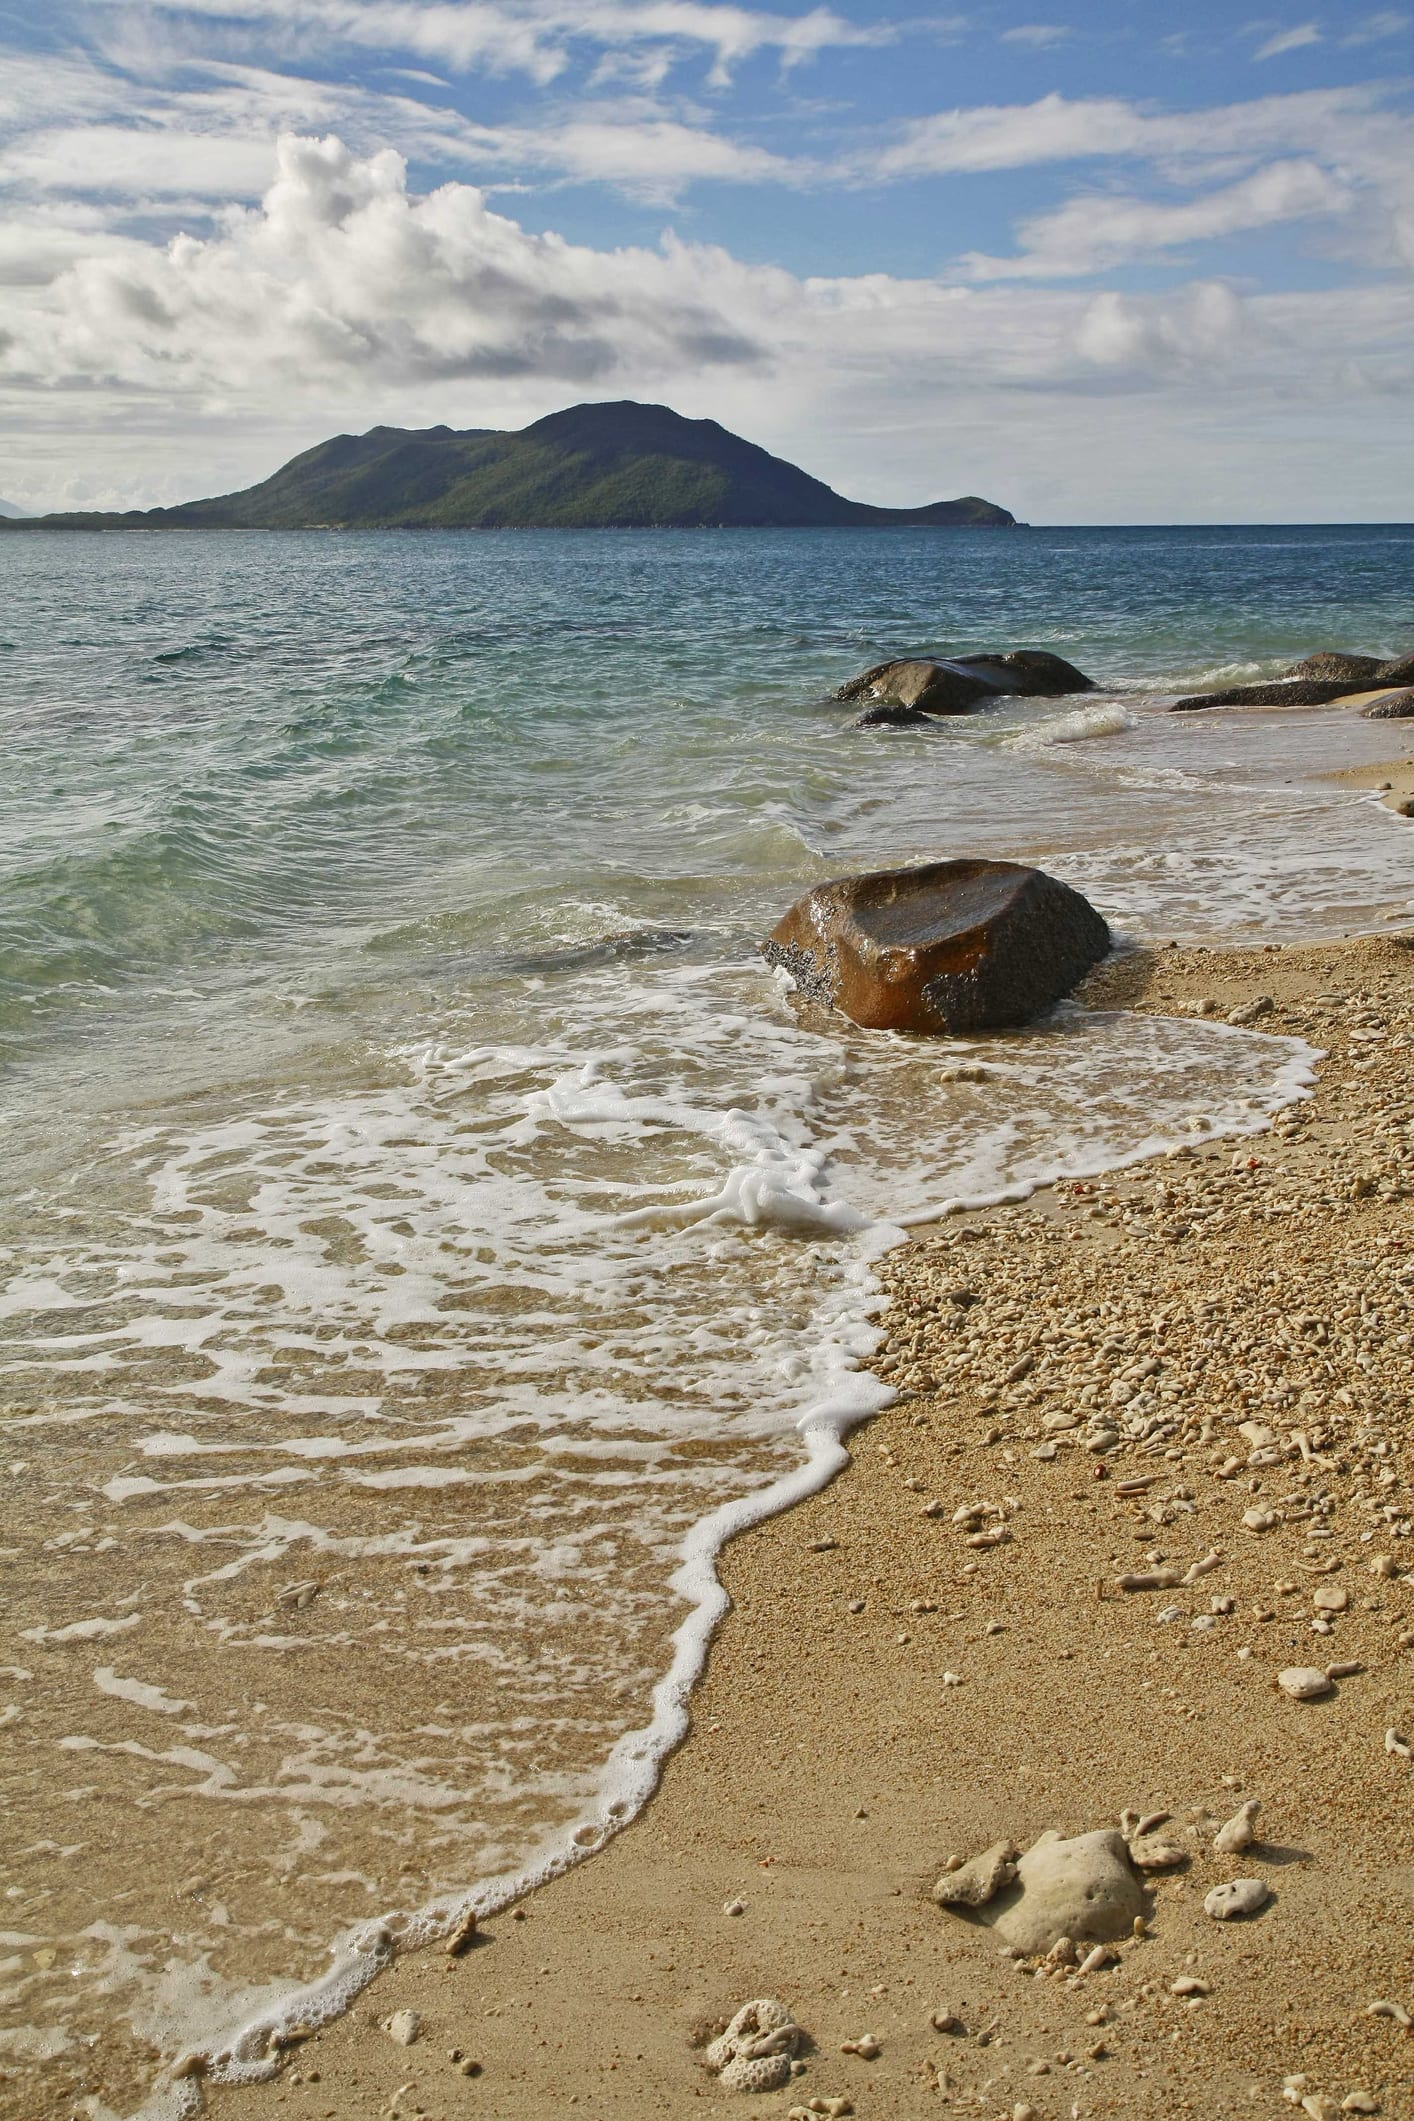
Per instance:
(1032,672)
(1398,672)
(1330,663)
(1399,707)
(957,684)
(954,946)
(1279,692)
(888,714)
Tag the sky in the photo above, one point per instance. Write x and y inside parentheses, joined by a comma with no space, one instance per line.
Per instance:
(1124,262)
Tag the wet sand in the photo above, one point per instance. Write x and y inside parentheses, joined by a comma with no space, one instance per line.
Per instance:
(832,1767)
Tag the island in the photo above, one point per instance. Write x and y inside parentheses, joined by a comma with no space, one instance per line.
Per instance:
(618,466)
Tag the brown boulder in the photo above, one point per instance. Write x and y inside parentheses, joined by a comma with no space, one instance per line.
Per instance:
(1397,707)
(1398,671)
(1330,663)
(957,684)
(951,947)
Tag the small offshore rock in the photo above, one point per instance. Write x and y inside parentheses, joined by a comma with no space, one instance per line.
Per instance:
(974,1883)
(403,2026)
(1239,1833)
(1237,1898)
(1304,1682)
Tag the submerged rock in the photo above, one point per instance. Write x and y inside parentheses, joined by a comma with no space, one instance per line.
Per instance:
(889,714)
(950,947)
(1084,1888)
(957,684)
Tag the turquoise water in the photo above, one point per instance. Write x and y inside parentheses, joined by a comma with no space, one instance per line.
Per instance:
(424,1215)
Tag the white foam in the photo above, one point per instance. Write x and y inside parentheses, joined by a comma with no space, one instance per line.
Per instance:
(1104,718)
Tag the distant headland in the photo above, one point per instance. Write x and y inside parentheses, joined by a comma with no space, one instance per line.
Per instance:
(592,467)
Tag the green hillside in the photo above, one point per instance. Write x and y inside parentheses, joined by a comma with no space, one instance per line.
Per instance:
(603,467)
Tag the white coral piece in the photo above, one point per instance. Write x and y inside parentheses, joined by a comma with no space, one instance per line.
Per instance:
(755,2073)
(754,2053)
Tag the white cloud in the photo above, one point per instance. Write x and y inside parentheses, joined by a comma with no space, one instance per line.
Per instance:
(536,37)
(1057,128)
(1039,36)
(1289,40)
(1375,28)
(1096,231)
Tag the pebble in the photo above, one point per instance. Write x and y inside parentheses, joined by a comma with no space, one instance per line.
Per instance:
(1304,1682)
(1359,2103)
(1320,2106)
(1394,1743)
(403,2026)
(1257,1520)
(1385,2009)
(866,2047)
(1330,1598)
(947,2022)
(1239,1833)
(735,1907)
(1238,1897)
(1189,1985)
(462,1938)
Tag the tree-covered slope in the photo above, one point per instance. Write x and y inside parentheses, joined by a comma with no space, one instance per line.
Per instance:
(591,467)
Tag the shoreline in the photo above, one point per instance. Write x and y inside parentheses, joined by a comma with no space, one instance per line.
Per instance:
(830,1768)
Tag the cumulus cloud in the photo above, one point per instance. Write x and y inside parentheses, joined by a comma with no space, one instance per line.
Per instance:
(341,271)
(1088,234)
(1289,40)
(346,280)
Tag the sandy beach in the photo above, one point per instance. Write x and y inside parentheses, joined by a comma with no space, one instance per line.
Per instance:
(885,1695)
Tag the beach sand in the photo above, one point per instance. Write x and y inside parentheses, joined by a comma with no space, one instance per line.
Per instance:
(832,1767)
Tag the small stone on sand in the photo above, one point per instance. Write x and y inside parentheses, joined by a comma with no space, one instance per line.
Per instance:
(1237,1898)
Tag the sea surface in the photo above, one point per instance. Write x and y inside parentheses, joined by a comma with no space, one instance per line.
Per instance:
(427,1227)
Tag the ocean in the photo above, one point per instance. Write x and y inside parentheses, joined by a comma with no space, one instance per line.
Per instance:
(428,1227)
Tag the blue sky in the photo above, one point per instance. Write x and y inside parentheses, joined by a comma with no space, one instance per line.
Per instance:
(1125,263)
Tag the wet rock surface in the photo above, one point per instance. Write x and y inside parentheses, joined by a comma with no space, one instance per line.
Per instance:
(950,947)
(943,685)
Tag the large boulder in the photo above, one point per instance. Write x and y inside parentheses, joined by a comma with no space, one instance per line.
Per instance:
(957,684)
(1398,671)
(1331,663)
(953,946)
